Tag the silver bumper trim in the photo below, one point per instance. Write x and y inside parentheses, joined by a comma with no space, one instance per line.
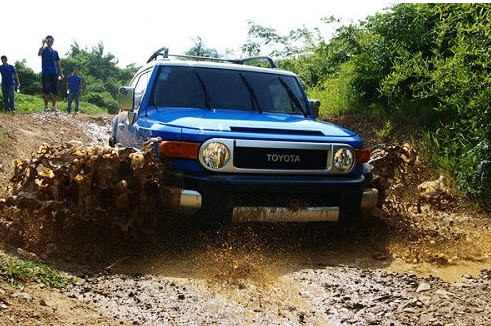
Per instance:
(369,199)
(190,202)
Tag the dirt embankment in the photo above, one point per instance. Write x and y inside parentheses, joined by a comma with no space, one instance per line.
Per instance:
(378,273)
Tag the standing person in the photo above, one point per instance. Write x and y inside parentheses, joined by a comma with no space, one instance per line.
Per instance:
(8,73)
(74,82)
(51,70)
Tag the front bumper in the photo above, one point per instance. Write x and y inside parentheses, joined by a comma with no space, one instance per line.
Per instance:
(207,192)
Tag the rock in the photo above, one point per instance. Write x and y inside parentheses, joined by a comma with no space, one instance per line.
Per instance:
(423,287)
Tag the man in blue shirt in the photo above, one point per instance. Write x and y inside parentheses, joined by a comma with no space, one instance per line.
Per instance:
(51,70)
(8,73)
(74,88)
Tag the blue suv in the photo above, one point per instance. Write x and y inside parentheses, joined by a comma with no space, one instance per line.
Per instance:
(240,141)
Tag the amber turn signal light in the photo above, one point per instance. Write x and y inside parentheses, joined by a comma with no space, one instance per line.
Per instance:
(179,149)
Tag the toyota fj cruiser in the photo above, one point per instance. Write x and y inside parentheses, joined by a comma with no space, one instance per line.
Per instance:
(243,142)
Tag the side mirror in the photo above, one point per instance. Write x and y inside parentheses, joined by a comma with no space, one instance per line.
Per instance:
(126,98)
(315,106)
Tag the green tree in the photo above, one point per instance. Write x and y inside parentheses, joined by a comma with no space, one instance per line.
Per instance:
(102,77)
(199,49)
(29,80)
(296,42)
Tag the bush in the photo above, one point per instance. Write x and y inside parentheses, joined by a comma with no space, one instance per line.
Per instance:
(103,100)
(336,94)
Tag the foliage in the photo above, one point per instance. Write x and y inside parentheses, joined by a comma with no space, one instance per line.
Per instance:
(199,49)
(337,94)
(96,93)
(23,272)
(453,72)
(101,75)
(426,65)
(29,80)
(296,42)
(29,103)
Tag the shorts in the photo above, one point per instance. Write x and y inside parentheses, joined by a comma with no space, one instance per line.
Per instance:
(50,84)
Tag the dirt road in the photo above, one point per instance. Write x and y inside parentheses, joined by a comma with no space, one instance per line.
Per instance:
(415,262)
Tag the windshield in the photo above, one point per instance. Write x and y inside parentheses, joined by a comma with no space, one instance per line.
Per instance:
(212,88)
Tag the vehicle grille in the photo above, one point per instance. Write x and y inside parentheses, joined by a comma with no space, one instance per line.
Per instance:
(280,158)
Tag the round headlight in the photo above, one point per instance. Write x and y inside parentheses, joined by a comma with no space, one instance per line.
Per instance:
(344,159)
(215,155)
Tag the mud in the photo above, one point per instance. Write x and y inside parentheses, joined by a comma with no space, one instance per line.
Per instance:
(422,258)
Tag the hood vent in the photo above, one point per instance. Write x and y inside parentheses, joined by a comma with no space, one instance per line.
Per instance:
(277,131)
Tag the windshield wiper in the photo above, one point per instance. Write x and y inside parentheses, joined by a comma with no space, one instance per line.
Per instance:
(205,90)
(252,93)
(292,97)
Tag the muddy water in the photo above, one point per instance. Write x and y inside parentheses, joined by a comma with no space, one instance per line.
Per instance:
(453,273)
(91,203)
(261,253)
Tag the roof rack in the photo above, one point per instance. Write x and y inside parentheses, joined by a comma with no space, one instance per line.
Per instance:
(164,52)
(266,58)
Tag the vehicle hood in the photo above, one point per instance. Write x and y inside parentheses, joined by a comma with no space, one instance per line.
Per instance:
(243,121)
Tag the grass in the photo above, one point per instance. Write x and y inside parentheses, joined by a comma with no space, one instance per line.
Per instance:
(25,103)
(22,272)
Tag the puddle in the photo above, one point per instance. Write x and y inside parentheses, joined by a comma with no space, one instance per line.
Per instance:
(453,273)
